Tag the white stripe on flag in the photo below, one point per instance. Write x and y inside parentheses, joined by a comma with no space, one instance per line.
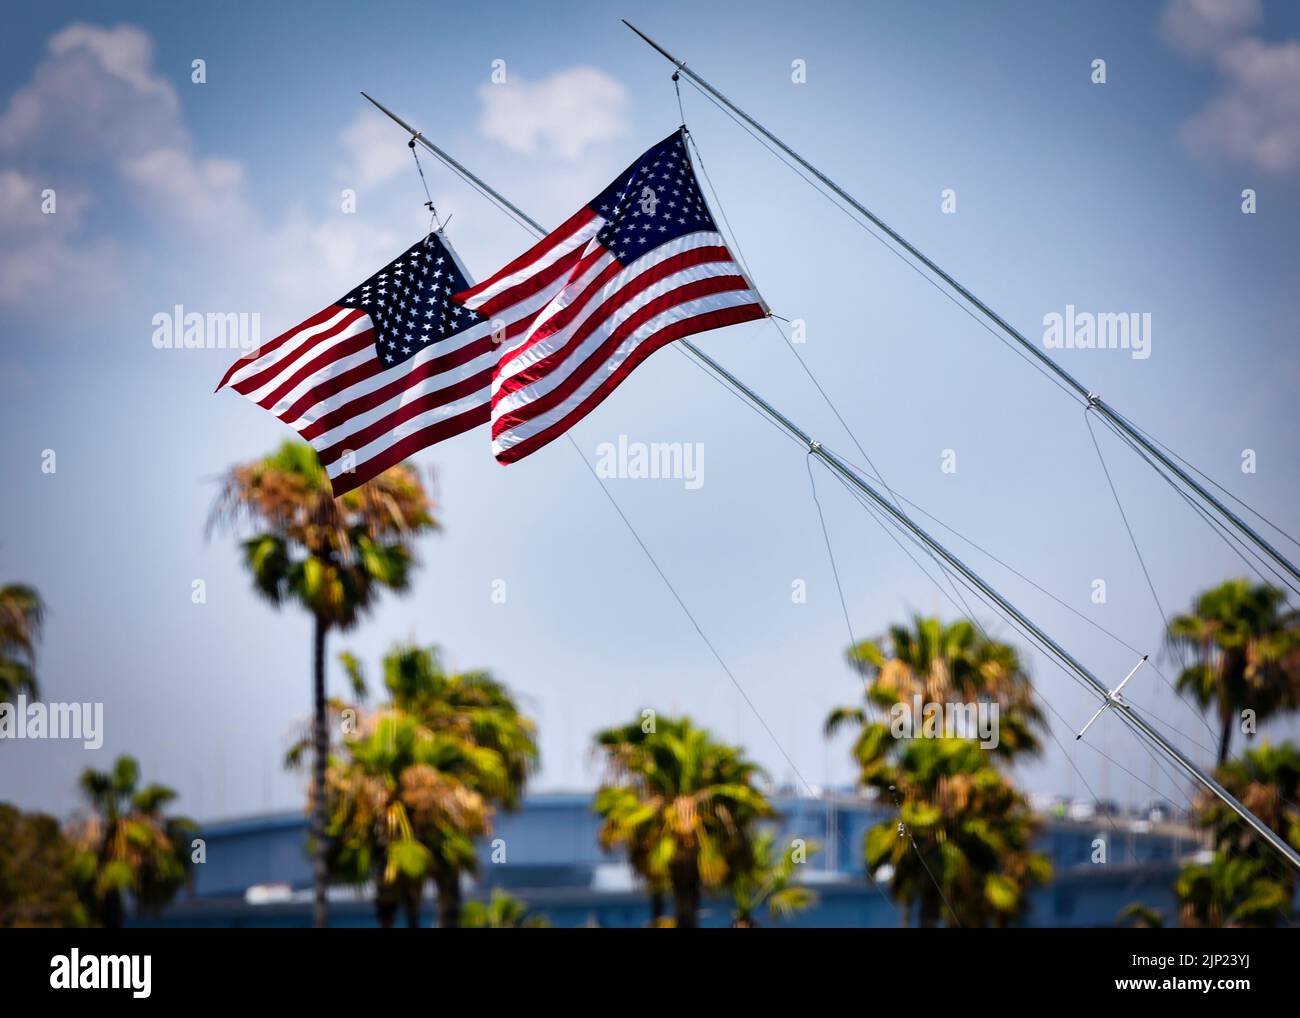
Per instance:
(578,238)
(377,381)
(263,362)
(406,396)
(591,344)
(391,438)
(690,309)
(512,366)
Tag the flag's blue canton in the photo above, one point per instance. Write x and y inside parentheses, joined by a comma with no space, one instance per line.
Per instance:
(408,301)
(657,199)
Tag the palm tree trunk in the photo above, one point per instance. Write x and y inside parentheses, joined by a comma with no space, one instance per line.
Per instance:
(114,915)
(413,906)
(686,897)
(656,905)
(1225,737)
(448,884)
(320,739)
(929,917)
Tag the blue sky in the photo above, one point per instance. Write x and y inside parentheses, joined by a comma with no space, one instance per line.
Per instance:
(225,196)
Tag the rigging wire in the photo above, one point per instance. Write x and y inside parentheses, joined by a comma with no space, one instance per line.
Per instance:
(898,254)
(987,326)
(1029,635)
(631,529)
(1206,477)
(889,527)
(512,214)
(853,642)
(1064,604)
(1051,653)
(903,829)
(830,553)
(1013,570)
(434,223)
(735,243)
(689,615)
(875,471)
(1137,550)
(1232,540)
(916,268)
(871,711)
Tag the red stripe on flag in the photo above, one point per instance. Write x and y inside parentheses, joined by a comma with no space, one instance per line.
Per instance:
(271,345)
(254,382)
(575,223)
(346,348)
(564,315)
(686,327)
(652,275)
(430,401)
(408,446)
(521,291)
(377,397)
(580,373)
(333,385)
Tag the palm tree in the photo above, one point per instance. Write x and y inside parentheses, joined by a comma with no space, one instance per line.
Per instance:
(404,808)
(959,851)
(944,663)
(22,615)
(38,886)
(1245,648)
(1141,916)
(770,881)
(1230,891)
(1241,885)
(501,913)
(472,705)
(127,846)
(960,848)
(332,556)
(682,804)
(485,751)
(1266,779)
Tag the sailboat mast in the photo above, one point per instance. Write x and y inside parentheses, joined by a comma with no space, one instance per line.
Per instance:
(1078,388)
(1130,716)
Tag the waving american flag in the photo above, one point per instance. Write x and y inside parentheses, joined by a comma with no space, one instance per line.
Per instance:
(640,265)
(390,368)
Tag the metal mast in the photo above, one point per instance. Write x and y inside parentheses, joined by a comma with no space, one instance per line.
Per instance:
(1089,397)
(1135,721)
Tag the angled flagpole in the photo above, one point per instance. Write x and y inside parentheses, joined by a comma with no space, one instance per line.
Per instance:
(1087,395)
(1125,710)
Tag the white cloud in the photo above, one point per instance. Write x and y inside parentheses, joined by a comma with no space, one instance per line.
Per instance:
(201,193)
(560,116)
(375,149)
(124,52)
(1202,26)
(41,250)
(96,109)
(1254,121)
(93,97)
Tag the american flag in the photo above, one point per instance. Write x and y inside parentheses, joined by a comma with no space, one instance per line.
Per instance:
(640,265)
(390,368)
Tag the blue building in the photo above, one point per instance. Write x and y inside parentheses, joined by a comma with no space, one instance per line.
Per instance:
(257,872)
